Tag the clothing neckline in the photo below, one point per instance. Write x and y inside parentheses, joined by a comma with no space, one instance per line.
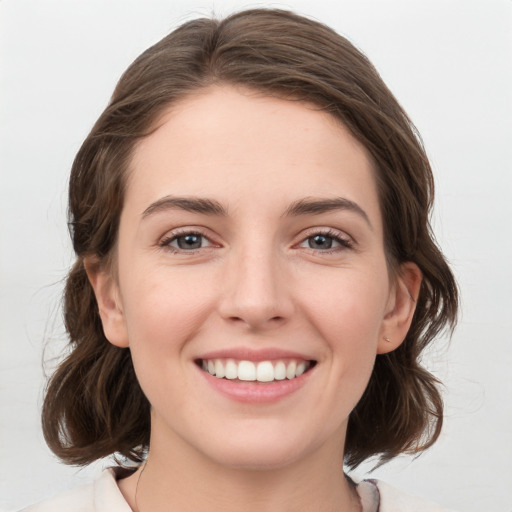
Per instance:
(367,490)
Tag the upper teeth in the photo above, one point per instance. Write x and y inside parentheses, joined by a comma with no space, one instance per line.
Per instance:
(263,371)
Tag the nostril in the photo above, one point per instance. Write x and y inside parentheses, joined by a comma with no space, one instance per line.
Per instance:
(255,321)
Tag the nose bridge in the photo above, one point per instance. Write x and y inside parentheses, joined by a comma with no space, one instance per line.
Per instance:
(255,289)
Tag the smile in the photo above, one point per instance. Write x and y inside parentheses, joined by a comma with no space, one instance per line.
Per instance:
(261,371)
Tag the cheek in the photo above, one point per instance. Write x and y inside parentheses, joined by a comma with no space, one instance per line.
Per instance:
(352,307)
(164,310)
(163,313)
(349,319)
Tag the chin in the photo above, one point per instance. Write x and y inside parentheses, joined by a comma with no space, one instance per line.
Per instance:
(263,451)
(257,459)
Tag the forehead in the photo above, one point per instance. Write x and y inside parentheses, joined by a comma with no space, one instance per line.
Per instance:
(233,142)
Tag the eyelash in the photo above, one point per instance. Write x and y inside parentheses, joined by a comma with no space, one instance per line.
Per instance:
(344,243)
(165,243)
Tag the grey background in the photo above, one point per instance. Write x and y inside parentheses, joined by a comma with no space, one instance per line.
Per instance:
(447,61)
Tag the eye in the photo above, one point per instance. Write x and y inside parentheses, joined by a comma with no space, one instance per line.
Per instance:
(325,242)
(186,242)
(320,242)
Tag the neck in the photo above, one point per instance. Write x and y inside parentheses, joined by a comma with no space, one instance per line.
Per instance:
(184,480)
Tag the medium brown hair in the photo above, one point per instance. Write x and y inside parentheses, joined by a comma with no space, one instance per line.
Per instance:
(94,406)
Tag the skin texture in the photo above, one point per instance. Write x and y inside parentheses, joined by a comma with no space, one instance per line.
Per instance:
(258,283)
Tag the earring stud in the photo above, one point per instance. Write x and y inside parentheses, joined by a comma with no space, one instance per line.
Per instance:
(387,339)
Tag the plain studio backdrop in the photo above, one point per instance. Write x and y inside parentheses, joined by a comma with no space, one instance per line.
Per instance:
(448,63)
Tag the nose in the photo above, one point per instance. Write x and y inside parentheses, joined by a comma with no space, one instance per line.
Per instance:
(256,291)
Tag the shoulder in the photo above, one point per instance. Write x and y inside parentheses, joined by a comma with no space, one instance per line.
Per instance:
(102,495)
(394,500)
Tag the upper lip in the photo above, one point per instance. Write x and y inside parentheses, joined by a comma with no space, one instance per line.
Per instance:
(249,354)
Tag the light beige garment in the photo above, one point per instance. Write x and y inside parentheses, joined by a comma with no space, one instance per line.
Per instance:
(103,495)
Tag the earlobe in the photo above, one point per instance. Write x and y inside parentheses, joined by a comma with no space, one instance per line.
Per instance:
(402,305)
(110,309)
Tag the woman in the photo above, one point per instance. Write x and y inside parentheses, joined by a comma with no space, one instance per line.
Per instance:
(255,279)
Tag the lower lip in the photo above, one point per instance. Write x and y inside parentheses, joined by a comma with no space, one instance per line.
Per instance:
(256,392)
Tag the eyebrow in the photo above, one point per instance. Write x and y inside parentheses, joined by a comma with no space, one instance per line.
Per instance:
(189,204)
(306,206)
(317,206)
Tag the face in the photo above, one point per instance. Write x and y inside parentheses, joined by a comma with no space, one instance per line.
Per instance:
(251,280)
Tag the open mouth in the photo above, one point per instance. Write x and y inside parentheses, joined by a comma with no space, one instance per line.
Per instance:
(261,371)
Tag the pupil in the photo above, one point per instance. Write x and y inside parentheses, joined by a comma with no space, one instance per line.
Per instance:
(189,242)
(320,242)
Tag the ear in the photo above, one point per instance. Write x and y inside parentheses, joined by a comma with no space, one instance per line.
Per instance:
(400,308)
(110,308)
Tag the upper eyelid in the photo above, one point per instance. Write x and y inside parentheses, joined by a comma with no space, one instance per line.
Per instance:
(187,230)
(298,238)
(173,234)
(345,241)
(329,231)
